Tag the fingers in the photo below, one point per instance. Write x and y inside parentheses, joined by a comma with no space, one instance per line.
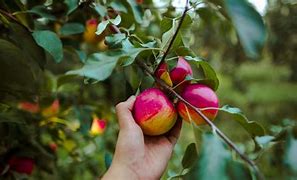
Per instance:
(174,133)
(124,113)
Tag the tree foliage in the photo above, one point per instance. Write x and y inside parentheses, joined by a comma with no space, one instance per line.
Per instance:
(64,64)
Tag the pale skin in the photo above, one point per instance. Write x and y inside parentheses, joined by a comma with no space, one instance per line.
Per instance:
(138,156)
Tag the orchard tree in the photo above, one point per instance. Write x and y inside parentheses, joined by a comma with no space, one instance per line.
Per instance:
(65,64)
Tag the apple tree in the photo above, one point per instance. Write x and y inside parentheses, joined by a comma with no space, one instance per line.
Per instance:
(65,64)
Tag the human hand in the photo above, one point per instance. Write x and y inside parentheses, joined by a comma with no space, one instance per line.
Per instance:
(138,156)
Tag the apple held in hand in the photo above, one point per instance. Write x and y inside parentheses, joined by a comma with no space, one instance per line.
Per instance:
(200,96)
(154,112)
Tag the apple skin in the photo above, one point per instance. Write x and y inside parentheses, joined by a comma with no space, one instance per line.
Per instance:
(182,69)
(22,165)
(200,96)
(154,112)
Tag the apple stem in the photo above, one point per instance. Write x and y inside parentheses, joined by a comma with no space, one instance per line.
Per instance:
(209,122)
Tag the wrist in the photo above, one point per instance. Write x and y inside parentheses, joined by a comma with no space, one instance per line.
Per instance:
(117,172)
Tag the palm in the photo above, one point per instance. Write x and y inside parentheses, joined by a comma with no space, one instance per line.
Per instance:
(151,152)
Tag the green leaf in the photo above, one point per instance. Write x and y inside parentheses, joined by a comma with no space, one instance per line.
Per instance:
(101,27)
(114,40)
(24,40)
(130,52)
(50,42)
(99,66)
(209,72)
(82,55)
(171,25)
(130,55)
(133,75)
(190,156)
(20,74)
(137,11)
(290,158)
(263,141)
(118,6)
(101,10)
(71,28)
(251,127)
(213,160)
(116,21)
(64,79)
(248,24)
(107,159)
(72,5)
(43,12)
(179,176)
(184,51)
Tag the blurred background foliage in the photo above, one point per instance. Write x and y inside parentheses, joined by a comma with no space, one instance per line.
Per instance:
(66,123)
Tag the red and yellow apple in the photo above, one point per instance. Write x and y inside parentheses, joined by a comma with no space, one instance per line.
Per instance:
(154,112)
(90,35)
(202,97)
(162,73)
(98,126)
(52,110)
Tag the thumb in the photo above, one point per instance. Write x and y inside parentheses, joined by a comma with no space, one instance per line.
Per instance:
(124,114)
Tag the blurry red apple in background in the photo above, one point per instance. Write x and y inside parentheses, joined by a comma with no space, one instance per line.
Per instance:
(28,106)
(23,165)
(154,112)
(98,126)
(53,146)
(200,96)
(52,110)
(90,35)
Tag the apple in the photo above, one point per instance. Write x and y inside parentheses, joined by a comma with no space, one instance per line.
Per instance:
(28,106)
(53,146)
(180,71)
(52,110)
(22,165)
(98,126)
(162,73)
(154,112)
(200,96)
(90,35)
(177,75)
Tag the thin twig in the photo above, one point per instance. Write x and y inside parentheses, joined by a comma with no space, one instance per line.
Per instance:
(8,14)
(209,122)
(175,34)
